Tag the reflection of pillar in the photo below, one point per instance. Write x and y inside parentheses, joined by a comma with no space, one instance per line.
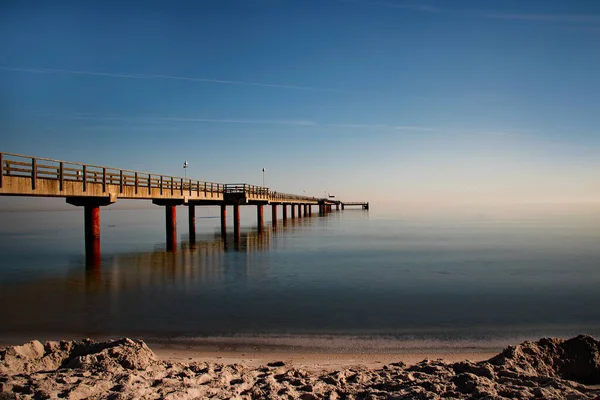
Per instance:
(284,212)
(91,216)
(223,219)
(192,222)
(274,214)
(171,225)
(293,210)
(259,217)
(236,222)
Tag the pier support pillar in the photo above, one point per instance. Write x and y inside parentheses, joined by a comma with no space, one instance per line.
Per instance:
(192,222)
(299,210)
(236,222)
(337,206)
(260,218)
(274,214)
(91,215)
(284,212)
(223,219)
(92,234)
(293,210)
(342,206)
(310,210)
(170,220)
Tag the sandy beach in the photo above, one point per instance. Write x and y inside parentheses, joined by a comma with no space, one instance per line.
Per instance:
(129,369)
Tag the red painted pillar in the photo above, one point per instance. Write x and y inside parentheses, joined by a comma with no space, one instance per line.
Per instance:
(284,212)
(274,214)
(192,222)
(171,225)
(92,235)
(260,218)
(236,221)
(223,219)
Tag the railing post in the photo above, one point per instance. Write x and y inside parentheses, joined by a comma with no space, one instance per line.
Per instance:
(190,186)
(61,176)
(150,184)
(33,172)
(1,168)
(211,189)
(181,188)
(103,180)
(161,184)
(198,188)
(121,181)
(172,184)
(136,182)
(84,177)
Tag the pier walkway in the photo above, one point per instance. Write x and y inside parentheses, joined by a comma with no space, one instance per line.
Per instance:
(93,186)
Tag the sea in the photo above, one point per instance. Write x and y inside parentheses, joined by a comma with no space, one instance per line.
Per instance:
(386,279)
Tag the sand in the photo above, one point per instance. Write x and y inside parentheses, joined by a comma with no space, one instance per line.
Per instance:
(127,369)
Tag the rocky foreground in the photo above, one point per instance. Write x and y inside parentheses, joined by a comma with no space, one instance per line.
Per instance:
(127,369)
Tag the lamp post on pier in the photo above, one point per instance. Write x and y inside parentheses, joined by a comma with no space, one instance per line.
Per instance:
(185,166)
(263,170)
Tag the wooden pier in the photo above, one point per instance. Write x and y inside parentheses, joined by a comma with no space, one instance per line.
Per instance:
(92,187)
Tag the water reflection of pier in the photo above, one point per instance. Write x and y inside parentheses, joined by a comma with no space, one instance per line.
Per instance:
(198,262)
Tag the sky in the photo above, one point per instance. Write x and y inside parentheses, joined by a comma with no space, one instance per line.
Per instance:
(384,101)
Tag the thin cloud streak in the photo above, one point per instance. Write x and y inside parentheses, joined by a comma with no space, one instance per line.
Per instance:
(305,123)
(570,19)
(389,4)
(554,18)
(164,77)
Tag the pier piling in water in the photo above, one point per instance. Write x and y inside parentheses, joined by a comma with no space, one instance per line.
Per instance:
(91,215)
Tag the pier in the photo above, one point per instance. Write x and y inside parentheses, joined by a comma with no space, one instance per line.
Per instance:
(92,187)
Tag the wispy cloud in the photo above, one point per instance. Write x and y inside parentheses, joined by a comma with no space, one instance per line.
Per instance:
(566,18)
(172,120)
(383,126)
(390,4)
(164,77)
(286,122)
(574,19)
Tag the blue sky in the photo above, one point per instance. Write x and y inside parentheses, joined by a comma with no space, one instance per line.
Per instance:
(433,101)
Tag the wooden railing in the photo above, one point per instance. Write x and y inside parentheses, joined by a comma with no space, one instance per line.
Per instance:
(46,168)
(36,168)
(247,189)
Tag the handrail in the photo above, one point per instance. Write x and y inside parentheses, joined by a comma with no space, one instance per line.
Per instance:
(12,164)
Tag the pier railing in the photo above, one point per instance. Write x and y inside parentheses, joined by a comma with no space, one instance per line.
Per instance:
(16,165)
(61,178)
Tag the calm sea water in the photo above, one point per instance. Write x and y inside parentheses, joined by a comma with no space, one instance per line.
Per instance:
(473,276)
